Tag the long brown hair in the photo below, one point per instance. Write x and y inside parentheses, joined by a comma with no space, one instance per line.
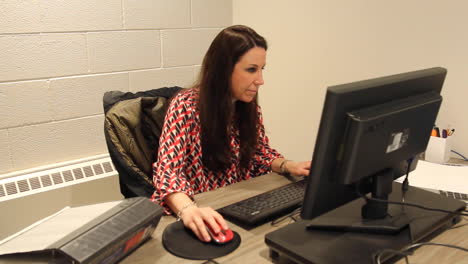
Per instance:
(217,112)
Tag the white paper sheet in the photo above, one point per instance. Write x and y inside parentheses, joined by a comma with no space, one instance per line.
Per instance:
(44,233)
(436,176)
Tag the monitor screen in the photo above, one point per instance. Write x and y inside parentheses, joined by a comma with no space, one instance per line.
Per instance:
(369,132)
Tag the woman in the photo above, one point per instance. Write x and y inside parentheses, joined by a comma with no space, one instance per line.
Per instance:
(213,133)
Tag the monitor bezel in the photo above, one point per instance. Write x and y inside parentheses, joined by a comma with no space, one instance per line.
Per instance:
(323,192)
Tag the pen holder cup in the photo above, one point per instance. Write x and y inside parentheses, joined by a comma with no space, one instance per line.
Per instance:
(438,149)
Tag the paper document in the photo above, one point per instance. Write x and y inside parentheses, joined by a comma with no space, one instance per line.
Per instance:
(44,233)
(453,178)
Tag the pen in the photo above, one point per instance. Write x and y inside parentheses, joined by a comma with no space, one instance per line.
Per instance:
(444,133)
(451,132)
(437,131)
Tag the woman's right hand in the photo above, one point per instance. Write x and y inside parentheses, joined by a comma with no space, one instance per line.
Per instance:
(196,218)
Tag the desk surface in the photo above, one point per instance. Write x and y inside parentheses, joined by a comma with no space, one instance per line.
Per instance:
(253,248)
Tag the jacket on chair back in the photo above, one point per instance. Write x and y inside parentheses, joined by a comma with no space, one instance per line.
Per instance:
(132,127)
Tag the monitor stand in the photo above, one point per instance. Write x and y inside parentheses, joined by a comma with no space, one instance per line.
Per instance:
(376,216)
(301,244)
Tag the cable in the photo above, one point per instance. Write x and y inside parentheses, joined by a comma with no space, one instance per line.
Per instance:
(405,252)
(379,254)
(434,244)
(405,184)
(459,226)
(404,189)
(292,215)
(413,205)
(459,155)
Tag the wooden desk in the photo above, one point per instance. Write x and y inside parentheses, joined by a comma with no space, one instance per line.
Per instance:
(253,248)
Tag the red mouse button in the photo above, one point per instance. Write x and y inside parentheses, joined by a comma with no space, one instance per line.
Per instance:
(222,237)
(228,235)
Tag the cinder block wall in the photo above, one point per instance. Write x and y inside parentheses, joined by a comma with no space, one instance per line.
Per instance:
(57,58)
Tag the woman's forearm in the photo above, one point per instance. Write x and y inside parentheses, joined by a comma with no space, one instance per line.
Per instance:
(279,165)
(178,201)
(295,168)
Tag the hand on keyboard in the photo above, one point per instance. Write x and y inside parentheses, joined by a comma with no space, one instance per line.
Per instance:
(301,168)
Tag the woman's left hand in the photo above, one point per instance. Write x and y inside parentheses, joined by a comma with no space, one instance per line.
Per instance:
(298,168)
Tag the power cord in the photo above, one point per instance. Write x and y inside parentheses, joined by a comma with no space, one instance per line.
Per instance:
(376,259)
(459,154)
(407,251)
(294,216)
(405,184)
(413,205)
(404,189)
(461,225)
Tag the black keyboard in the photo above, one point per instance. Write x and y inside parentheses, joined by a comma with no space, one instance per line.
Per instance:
(266,206)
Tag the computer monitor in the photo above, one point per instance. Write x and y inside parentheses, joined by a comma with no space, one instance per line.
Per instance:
(369,133)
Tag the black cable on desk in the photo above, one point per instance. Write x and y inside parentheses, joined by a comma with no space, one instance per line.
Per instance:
(404,189)
(461,225)
(293,215)
(435,244)
(413,205)
(464,158)
(405,184)
(406,252)
(376,259)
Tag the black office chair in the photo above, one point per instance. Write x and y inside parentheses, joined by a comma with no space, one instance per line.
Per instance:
(132,127)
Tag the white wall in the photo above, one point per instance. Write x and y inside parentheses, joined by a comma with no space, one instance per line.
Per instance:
(57,58)
(318,43)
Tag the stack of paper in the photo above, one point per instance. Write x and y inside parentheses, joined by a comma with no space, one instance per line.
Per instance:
(436,176)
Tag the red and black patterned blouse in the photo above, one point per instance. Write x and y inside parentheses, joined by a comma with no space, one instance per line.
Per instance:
(179,166)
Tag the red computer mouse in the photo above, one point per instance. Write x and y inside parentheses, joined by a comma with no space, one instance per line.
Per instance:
(222,237)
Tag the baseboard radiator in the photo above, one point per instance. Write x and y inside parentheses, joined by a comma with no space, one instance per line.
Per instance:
(60,175)
(30,195)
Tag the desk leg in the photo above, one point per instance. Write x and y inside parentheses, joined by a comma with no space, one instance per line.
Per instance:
(273,254)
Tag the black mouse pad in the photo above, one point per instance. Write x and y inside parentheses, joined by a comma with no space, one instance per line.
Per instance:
(183,243)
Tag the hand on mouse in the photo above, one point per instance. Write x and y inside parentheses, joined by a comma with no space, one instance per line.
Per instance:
(223,237)
(195,218)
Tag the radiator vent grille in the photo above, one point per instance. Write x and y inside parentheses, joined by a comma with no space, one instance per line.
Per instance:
(78,173)
(88,171)
(45,179)
(23,185)
(55,178)
(35,184)
(68,176)
(11,188)
(98,169)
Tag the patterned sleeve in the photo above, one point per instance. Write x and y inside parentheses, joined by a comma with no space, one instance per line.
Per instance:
(168,171)
(264,154)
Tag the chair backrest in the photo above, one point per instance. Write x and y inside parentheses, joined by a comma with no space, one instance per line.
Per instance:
(132,127)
